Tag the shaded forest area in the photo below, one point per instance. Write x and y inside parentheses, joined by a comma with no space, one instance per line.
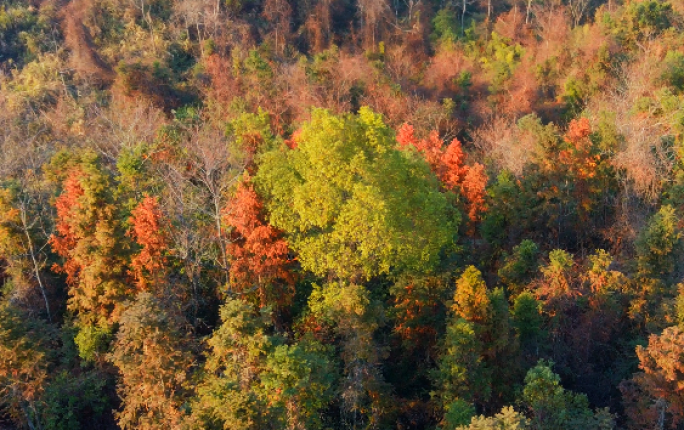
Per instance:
(337,214)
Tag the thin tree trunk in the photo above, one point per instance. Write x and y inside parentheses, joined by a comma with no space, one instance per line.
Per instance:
(36,266)
(219,231)
(465,3)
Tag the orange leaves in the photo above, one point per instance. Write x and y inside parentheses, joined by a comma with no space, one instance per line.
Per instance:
(406,137)
(293,141)
(452,169)
(414,308)
(259,254)
(223,85)
(662,379)
(582,163)
(449,166)
(431,148)
(244,210)
(9,218)
(578,132)
(578,157)
(473,188)
(65,240)
(147,230)
(472,180)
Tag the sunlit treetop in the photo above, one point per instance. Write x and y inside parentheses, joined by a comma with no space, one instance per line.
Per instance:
(352,204)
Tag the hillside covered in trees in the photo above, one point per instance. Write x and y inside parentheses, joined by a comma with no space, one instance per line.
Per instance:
(341,214)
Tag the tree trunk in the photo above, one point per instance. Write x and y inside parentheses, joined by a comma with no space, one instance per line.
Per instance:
(36,266)
(465,3)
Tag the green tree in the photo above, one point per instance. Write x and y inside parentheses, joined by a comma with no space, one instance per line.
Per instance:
(462,374)
(75,401)
(355,317)
(527,320)
(253,380)
(228,396)
(510,210)
(552,407)
(658,246)
(643,20)
(349,200)
(520,267)
(502,351)
(298,381)
(477,362)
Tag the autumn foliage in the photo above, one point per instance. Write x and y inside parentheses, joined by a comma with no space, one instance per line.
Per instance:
(259,253)
(449,165)
(65,241)
(89,239)
(660,380)
(341,214)
(581,161)
(146,229)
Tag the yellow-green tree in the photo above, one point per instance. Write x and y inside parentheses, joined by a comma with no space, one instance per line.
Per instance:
(252,380)
(228,397)
(353,205)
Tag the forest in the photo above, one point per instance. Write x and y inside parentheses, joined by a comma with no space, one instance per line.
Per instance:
(341,214)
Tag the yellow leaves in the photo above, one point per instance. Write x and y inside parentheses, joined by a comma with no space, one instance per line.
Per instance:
(471,301)
(8,239)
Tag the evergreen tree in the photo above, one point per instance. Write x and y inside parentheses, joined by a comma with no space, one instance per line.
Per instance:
(154,356)
(90,239)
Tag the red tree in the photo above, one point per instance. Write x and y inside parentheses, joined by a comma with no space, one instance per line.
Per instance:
(473,189)
(581,161)
(406,137)
(452,165)
(449,166)
(65,240)
(147,231)
(293,141)
(259,255)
